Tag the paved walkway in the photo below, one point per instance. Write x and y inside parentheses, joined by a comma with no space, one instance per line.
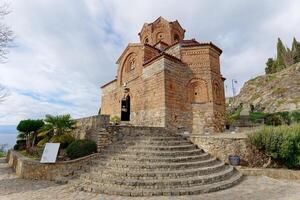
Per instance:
(251,188)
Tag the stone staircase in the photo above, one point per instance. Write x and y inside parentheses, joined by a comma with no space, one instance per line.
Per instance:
(155,164)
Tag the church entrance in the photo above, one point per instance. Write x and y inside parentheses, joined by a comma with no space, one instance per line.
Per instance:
(125,108)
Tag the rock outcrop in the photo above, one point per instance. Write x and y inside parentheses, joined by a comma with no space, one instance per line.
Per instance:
(273,92)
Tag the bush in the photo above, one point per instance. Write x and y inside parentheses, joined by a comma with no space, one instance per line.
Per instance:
(294,117)
(65,140)
(20,145)
(281,143)
(257,117)
(274,119)
(80,148)
(115,119)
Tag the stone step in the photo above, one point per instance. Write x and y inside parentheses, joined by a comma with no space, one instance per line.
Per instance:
(154,138)
(139,147)
(166,166)
(152,153)
(156,159)
(162,183)
(154,142)
(162,191)
(155,174)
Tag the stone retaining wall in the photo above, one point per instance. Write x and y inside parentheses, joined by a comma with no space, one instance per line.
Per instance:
(223,145)
(32,169)
(88,127)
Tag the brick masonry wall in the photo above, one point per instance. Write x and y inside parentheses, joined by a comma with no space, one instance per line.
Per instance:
(32,169)
(166,92)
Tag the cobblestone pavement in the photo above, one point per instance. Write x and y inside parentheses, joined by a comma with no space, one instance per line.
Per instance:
(251,188)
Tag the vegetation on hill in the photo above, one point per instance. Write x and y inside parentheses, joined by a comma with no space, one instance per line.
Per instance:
(272,93)
(285,57)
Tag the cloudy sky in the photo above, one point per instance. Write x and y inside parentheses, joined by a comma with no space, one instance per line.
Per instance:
(65,49)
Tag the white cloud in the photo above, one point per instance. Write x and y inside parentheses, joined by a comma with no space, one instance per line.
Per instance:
(66,50)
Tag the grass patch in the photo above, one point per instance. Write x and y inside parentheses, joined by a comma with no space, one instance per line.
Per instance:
(271,77)
(2,154)
(280,102)
(255,96)
(295,101)
(280,91)
(257,116)
(35,154)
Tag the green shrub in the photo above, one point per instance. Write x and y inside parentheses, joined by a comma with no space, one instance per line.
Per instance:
(274,119)
(80,148)
(282,118)
(281,143)
(2,154)
(294,117)
(257,117)
(115,119)
(65,140)
(20,145)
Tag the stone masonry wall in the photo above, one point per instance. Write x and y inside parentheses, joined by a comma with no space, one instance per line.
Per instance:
(93,128)
(87,128)
(221,146)
(32,169)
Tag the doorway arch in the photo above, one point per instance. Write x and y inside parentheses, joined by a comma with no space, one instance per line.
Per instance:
(125,108)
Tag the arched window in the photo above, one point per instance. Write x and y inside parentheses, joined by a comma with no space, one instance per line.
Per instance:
(176,38)
(146,41)
(159,36)
(197,91)
(217,92)
(130,63)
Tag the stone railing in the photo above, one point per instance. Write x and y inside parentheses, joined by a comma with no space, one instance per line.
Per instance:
(32,169)
(88,127)
(223,145)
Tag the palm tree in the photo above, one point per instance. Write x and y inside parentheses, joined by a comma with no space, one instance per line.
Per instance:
(57,129)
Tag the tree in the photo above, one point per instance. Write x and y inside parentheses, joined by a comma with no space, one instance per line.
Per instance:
(57,129)
(6,34)
(270,66)
(281,52)
(296,51)
(30,128)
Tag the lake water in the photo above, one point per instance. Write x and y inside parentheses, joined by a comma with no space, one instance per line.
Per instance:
(8,138)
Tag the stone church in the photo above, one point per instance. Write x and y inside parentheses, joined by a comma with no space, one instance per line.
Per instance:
(168,81)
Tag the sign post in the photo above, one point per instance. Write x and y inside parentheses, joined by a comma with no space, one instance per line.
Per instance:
(50,153)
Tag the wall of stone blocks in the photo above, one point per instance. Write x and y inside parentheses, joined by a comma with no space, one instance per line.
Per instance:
(87,128)
(221,146)
(32,169)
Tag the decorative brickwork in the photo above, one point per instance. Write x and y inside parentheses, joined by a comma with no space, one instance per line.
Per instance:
(168,81)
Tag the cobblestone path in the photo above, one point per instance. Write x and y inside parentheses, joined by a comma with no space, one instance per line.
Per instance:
(251,188)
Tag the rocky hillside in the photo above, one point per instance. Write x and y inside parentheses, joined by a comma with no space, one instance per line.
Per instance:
(272,92)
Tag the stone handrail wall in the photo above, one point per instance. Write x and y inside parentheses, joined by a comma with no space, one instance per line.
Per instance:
(32,169)
(223,145)
(88,127)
